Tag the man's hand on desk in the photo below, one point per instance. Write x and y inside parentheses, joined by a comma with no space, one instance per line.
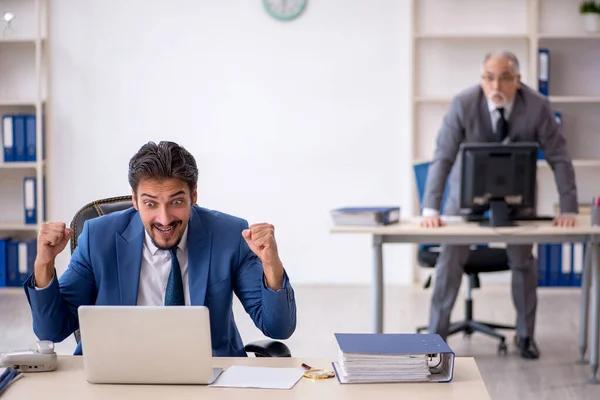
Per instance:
(565,221)
(432,221)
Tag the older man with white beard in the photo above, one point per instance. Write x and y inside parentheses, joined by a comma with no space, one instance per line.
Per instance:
(499,109)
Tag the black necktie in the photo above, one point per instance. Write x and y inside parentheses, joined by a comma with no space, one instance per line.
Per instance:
(501,126)
(174,293)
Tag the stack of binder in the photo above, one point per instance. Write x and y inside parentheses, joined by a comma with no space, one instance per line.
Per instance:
(389,358)
(17,258)
(19,138)
(366,216)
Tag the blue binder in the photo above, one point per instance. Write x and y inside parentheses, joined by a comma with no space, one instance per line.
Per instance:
(561,264)
(3,262)
(8,144)
(21,259)
(30,200)
(370,215)
(19,138)
(544,71)
(577,272)
(30,138)
(413,344)
(555,264)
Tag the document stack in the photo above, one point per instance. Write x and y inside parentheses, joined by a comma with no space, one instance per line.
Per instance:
(389,358)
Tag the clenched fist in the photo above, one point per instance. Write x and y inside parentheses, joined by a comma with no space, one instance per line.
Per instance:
(261,240)
(52,239)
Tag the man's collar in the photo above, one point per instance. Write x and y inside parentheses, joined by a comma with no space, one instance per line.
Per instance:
(152,247)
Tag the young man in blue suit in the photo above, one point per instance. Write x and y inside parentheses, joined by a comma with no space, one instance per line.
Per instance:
(165,250)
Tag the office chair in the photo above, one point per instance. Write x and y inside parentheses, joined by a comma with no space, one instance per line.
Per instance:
(261,348)
(482,259)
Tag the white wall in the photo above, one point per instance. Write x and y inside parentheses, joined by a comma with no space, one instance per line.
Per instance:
(286,120)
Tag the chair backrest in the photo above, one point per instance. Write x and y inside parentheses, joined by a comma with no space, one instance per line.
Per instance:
(96,209)
(420,170)
(92,210)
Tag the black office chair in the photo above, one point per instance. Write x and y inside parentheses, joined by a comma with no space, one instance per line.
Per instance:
(261,348)
(482,259)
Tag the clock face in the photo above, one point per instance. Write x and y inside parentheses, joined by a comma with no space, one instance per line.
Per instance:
(284,9)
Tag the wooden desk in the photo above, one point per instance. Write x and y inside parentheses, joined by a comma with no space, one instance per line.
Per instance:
(457,231)
(68,383)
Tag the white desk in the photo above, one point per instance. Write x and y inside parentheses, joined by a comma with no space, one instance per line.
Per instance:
(458,232)
(68,383)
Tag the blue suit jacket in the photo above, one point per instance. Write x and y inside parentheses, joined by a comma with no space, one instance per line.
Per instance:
(105,270)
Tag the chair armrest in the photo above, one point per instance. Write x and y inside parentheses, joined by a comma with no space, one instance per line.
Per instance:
(268,348)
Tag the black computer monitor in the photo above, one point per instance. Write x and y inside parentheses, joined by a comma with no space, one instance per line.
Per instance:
(500,178)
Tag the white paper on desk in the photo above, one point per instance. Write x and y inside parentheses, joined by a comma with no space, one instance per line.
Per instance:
(452,218)
(239,376)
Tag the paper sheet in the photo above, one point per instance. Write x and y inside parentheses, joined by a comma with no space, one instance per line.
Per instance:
(238,376)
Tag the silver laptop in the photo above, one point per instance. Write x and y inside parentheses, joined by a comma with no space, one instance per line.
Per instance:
(147,345)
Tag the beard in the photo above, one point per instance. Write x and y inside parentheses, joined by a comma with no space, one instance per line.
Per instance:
(498,98)
(167,243)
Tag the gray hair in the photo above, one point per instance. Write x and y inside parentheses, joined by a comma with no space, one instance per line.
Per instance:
(162,161)
(506,55)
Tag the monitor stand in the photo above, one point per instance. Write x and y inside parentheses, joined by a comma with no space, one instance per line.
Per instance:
(499,215)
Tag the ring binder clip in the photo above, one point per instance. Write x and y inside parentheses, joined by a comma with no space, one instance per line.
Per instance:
(433,360)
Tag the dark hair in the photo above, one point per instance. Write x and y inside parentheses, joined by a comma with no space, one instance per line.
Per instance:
(162,161)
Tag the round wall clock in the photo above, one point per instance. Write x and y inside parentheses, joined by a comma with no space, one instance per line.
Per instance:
(284,9)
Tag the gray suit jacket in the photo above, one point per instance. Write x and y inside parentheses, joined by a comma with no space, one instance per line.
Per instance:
(468,120)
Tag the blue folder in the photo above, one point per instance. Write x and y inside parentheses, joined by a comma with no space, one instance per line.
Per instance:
(30,138)
(8,144)
(19,138)
(3,261)
(30,200)
(366,215)
(544,71)
(20,261)
(402,344)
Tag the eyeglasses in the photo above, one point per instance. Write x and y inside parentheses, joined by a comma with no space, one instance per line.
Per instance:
(505,78)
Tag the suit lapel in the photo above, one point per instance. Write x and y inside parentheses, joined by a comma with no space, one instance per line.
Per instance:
(129,259)
(199,250)
(486,130)
(518,110)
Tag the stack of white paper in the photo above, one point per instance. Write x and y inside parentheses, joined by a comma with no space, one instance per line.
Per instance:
(364,368)
(239,376)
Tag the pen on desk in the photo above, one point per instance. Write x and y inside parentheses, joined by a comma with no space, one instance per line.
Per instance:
(305,366)
(16,378)
(9,376)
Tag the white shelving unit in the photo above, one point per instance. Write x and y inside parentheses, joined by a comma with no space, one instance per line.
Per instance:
(23,90)
(449,41)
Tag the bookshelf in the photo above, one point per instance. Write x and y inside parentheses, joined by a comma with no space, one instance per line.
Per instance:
(449,41)
(23,91)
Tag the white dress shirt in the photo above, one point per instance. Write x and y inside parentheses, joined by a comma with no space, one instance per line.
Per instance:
(155,270)
(494,117)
